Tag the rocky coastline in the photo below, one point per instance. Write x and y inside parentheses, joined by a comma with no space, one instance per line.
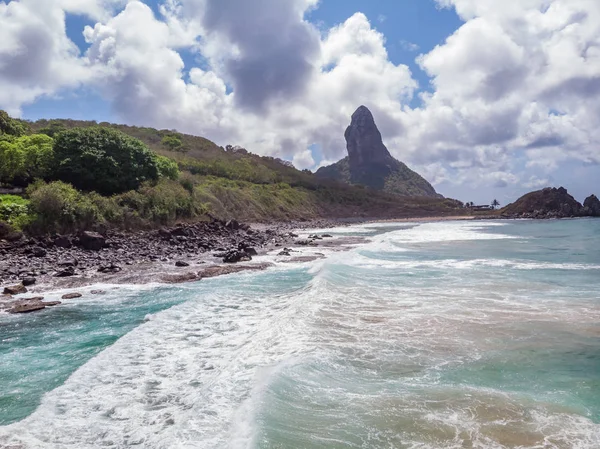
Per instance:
(182,253)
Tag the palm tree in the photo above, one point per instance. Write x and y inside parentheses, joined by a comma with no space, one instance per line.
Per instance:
(495,204)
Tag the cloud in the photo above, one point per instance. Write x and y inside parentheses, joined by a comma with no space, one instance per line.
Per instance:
(513,90)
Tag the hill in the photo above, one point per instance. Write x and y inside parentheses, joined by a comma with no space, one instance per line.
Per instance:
(551,203)
(228,183)
(370,164)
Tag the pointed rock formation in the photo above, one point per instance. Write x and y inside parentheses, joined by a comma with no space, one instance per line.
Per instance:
(369,162)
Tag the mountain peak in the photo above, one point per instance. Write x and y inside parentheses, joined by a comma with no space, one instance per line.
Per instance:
(369,162)
(364,141)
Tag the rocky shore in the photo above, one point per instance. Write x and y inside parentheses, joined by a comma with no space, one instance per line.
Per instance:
(183,253)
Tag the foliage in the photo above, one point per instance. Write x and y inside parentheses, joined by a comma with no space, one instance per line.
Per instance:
(172,142)
(25,158)
(167,168)
(103,160)
(14,210)
(11,126)
(58,207)
(53,128)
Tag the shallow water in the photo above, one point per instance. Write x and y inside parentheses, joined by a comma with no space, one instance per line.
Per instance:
(433,335)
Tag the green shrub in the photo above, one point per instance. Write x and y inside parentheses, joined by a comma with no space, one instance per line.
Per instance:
(103,160)
(25,158)
(167,168)
(15,211)
(58,207)
(172,142)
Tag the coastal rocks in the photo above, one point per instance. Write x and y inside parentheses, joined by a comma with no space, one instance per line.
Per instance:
(27,308)
(545,204)
(592,206)
(37,251)
(15,290)
(72,295)
(181,264)
(97,292)
(68,263)
(62,241)
(91,241)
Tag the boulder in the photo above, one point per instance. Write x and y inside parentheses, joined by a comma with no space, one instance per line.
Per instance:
(181,264)
(68,262)
(110,269)
(233,225)
(28,281)
(235,256)
(72,295)
(52,303)
(63,242)
(37,251)
(15,289)
(92,241)
(97,292)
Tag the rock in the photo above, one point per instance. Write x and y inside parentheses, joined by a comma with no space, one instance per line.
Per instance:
(34,299)
(235,256)
(52,303)
(72,295)
(180,278)
(28,281)
(284,253)
(67,272)
(592,204)
(233,225)
(37,251)
(315,237)
(110,269)
(327,236)
(97,292)
(27,308)
(547,203)
(91,241)
(15,290)
(181,264)
(63,242)
(250,251)
(69,262)
(369,163)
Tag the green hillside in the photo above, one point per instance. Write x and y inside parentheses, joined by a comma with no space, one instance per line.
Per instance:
(170,177)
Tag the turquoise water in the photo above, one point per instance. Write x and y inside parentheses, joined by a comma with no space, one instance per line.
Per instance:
(434,335)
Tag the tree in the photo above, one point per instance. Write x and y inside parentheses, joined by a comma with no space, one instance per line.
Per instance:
(172,142)
(495,204)
(103,160)
(25,158)
(11,126)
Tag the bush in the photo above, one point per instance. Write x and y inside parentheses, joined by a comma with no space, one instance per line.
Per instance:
(167,168)
(104,160)
(26,158)
(14,211)
(172,142)
(58,207)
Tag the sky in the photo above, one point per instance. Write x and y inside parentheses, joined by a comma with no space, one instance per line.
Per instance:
(485,99)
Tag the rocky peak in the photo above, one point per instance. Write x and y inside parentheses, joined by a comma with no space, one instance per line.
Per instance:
(363,140)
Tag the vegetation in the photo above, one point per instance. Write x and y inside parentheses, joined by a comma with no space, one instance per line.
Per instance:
(85,175)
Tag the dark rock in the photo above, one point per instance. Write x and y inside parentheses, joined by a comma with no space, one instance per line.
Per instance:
(97,292)
(67,272)
(15,290)
(327,236)
(235,256)
(69,262)
(72,296)
(545,204)
(28,281)
(91,241)
(63,242)
(110,269)
(592,204)
(52,303)
(181,264)
(34,299)
(369,162)
(37,251)
(250,251)
(284,253)
(233,225)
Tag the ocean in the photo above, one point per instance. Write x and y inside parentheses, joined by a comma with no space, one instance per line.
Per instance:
(466,334)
